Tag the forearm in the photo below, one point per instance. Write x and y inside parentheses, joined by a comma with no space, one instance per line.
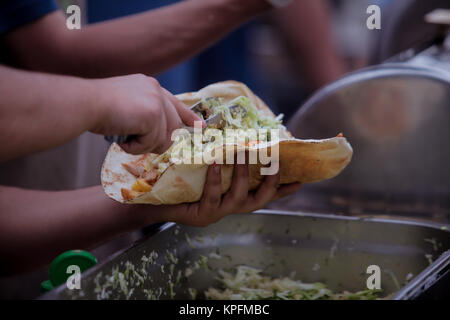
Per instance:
(36,226)
(156,40)
(307,28)
(40,111)
(144,43)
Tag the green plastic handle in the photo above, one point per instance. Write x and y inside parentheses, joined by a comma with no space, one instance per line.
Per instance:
(58,268)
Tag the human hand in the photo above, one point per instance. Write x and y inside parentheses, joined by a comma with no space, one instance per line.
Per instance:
(137,105)
(214,206)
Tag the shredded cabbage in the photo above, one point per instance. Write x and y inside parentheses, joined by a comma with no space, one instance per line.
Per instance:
(246,116)
(243,115)
(247,283)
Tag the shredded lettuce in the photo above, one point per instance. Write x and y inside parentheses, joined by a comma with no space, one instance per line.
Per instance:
(245,116)
(239,113)
(247,283)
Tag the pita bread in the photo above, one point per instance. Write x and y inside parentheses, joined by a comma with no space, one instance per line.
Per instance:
(301,161)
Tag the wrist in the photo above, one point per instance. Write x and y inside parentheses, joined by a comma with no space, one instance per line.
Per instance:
(127,217)
(97,101)
(75,96)
(142,215)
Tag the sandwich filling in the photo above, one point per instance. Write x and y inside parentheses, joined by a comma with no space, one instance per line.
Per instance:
(238,114)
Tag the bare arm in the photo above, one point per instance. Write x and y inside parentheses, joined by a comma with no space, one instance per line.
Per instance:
(306,26)
(36,226)
(144,43)
(40,111)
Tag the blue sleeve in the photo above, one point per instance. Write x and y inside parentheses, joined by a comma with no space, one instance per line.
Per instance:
(16,13)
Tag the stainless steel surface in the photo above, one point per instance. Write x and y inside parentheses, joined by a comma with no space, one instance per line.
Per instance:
(404,27)
(330,249)
(439,17)
(436,57)
(397,118)
(198,107)
(217,121)
(428,278)
(433,55)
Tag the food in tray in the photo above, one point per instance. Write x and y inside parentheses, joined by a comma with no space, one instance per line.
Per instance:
(247,283)
(167,179)
(129,281)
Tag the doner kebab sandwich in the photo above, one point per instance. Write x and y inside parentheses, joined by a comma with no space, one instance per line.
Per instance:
(170,178)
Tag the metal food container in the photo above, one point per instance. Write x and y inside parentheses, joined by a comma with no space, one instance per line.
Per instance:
(397,118)
(396,115)
(308,247)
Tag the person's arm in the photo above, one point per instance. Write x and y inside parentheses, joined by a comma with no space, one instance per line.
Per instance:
(36,226)
(306,26)
(40,111)
(147,43)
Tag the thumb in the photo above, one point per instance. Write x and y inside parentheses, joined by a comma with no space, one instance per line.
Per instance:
(186,115)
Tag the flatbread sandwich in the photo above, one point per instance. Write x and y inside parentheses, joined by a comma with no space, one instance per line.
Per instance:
(170,179)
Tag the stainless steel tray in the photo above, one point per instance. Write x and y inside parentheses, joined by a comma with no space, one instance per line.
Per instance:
(330,249)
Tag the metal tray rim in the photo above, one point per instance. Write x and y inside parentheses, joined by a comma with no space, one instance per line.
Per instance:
(388,69)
